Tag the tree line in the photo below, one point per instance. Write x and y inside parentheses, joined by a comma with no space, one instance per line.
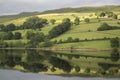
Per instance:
(60,29)
(10,36)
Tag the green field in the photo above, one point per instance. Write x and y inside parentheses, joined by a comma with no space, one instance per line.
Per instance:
(104,44)
(82,31)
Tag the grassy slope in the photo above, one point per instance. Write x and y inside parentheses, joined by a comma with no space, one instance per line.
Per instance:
(90,44)
(85,9)
(80,31)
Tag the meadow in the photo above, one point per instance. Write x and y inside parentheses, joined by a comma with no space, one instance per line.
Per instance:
(83,31)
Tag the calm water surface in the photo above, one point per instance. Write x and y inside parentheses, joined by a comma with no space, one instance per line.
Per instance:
(106,64)
(16,75)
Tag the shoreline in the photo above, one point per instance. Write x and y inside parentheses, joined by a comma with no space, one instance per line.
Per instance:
(62,49)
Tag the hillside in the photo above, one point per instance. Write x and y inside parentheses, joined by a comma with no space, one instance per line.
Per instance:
(62,10)
(87,33)
(21,15)
(85,9)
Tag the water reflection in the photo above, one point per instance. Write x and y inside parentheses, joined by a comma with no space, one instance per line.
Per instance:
(67,64)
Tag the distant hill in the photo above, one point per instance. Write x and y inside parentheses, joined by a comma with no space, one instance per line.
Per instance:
(62,10)
(85,9)
(21,15)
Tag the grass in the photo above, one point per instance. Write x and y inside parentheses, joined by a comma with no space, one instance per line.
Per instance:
(89,31)
(82,31)
(58,17)
(104,44)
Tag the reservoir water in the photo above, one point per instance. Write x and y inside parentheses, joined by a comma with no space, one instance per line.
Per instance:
(30,65)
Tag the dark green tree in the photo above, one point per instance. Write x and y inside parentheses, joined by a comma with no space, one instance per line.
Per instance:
(69,39)
(115,56)
(47,43)
(100,14)
(2,26)
(60,63)
(77,21)
(77,69)
(87,20)
(60,29)
(115,16)
(17,35)
(35,40)
(29,34)
(52,21)
(11,27)
(10,35)
(3,44)
(34,23)
(66,20)
(104,26)
(115,42)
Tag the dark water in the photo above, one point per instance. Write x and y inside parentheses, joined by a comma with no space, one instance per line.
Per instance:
(80,64)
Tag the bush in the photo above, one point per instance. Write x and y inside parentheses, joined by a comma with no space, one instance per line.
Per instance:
(115,55)
(52,21)
(76,40)
(87,20)
(53,69)
(77,69)
(115,42)
(60,29)
(104,26)
(34,23)
(69,39)
(46,43)
(60,63)
(77,21)
(3,44)
(87,70)
(17,35)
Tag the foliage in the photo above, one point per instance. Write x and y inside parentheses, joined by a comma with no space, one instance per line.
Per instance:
(115,42)
(84,9)
(52,21)
(115,56)
(104,26)
(46,43)
(34,23)
(3,44)
(53,69)
(100,14)
(10,36)
(17,35)
(60,29)
(69,39)
(66,20)
(77,21)
(87,70)
(35,67)
(60,63)
(29,34)
(9,27)
(35,40)
(115,16)
(77,68)
(87,20)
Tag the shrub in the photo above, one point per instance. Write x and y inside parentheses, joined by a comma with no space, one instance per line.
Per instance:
(77,21)
(60,29)
(115,42)
(87,20)
(104,26)
(52,21)
(77,69)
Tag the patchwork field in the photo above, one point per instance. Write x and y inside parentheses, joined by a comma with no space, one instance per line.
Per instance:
(83,31)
